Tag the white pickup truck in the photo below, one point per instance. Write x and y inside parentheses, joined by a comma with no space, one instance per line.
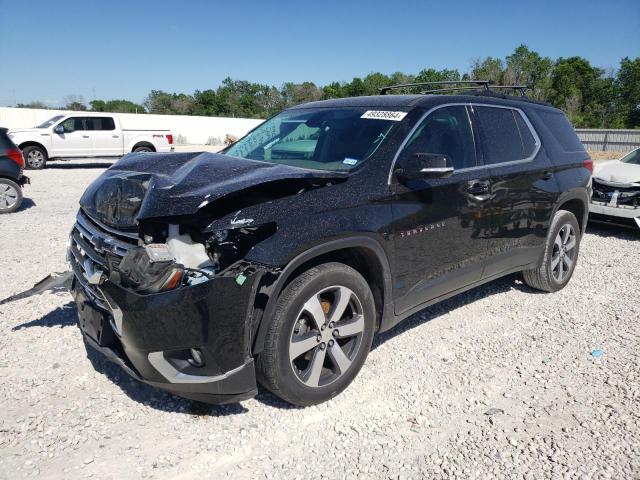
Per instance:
(85,135)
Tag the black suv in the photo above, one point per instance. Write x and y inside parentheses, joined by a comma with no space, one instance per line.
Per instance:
(11,174)
(280,258)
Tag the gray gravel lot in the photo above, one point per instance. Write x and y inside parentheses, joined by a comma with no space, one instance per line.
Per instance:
(499,382)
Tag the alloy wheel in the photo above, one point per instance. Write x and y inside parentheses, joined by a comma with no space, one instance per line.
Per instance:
(564,253)
(326,336)
(8,196)
(35,159)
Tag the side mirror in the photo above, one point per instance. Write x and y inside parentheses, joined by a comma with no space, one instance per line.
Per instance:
(59,129)
(425,165)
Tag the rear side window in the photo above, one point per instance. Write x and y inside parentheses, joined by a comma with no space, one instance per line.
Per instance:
(506,137)
(445,131)
(101,123)
(559,126)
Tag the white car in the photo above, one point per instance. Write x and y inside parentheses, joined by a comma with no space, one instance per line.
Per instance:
(616,191)
(85,135)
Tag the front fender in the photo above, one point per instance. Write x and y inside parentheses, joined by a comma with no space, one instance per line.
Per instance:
(31,140)
(334,245)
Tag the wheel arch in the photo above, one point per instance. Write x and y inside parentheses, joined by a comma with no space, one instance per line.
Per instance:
(576,203)
(143,143)
(32,143)
(364,254)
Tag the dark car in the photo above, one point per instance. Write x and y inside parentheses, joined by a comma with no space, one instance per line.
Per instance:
(281,258)
(11,178)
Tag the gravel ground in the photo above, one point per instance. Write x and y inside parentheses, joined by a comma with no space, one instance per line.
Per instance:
(499,382)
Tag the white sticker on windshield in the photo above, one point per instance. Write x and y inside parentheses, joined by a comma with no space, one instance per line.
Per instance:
(384,115)
(350,161)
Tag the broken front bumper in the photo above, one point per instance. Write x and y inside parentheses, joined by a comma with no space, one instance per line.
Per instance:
(151,336)
(621,215)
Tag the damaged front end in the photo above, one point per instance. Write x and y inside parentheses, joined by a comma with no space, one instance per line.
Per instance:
(166,312)
(615,202)
(171,298)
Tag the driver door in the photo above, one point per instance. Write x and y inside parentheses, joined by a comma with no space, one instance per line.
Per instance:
(440,224)
(75,141)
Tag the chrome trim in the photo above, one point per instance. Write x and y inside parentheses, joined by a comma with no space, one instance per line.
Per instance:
(91,233)
(473,134)
(168,371)
(437,170)
(112,230)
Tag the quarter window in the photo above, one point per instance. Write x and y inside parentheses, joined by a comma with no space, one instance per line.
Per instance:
(445,131)
(506,137)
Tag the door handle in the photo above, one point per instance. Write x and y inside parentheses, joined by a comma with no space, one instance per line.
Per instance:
(547,174)
(85,136)
(478,188)
(115,136)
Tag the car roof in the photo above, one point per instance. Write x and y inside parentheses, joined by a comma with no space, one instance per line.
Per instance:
(81,113)
(408,102)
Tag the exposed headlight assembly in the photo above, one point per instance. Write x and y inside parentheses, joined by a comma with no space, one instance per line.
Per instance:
(225,247)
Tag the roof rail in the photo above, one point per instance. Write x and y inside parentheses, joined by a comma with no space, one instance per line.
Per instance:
(484,85)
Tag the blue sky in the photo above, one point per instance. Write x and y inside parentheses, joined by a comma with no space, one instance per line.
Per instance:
(117,49)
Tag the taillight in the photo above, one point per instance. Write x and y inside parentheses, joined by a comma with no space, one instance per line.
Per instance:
(16,155)
(170,139)
(588,164)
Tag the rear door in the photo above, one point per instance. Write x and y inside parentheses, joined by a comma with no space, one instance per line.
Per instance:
(439,224)
(522,187)
(106,140)
(75,141)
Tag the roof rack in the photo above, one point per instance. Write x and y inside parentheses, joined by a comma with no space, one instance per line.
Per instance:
(482,85)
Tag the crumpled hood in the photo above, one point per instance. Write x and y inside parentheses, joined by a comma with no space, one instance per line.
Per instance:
(147,185)
(618,173)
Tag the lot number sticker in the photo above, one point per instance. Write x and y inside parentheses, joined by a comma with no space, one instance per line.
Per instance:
(384,115)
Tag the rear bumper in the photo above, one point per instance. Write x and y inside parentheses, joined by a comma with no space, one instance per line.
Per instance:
(620,215)
(150,336)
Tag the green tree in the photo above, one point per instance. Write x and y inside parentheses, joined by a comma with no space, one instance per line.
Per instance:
(575,88)
(297,93)
(74,102)
(115,106)
(525,67)
(33,104)
(628,85)
(374,82)
(490,68)
(205,103)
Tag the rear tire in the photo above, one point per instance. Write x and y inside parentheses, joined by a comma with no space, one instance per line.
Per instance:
(10,196)
(35,158)
(560,254)
(142,149)
(319,336)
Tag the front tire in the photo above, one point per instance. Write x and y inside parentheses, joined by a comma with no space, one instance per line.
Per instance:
(560,254)
(35,158)
(10,196)
(320,335)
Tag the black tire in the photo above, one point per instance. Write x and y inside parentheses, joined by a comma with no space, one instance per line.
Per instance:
(546,277)
(143,148)
(35,158)
(10,196)
(279,373)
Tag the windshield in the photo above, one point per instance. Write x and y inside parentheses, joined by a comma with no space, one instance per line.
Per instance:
(50,122)
(633,157)
(317,138)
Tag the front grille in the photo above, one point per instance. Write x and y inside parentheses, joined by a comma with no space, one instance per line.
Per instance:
(95,248)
